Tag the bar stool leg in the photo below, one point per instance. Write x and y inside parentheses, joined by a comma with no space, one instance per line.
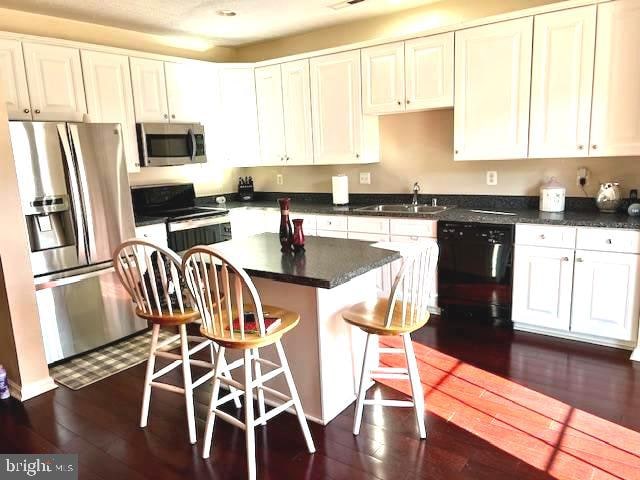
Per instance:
(362,389)
(151,362)
(416,384)
(295,397)
(221,365)
(211,417)
(248,416)
(188,389)
(258,374)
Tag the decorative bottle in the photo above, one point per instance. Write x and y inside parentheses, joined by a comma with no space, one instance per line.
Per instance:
(4,387)
(298,234)
(286,231)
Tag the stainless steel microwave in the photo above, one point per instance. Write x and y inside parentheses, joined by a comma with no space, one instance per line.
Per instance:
(167,144)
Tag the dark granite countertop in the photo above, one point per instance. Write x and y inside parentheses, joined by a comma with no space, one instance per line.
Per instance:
(570,218)
(325,262)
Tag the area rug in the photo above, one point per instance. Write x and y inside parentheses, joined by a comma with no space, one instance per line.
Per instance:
(104,362)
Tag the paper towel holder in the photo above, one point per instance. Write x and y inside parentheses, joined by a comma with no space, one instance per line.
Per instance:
(340,189)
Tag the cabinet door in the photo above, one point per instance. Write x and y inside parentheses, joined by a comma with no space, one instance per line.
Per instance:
(270,115)
(149,90)
(615,116)
(337,112)
(383,79)
(156,233)
(185,92)
(561,82)
(107,82)
(383,274)
(14,80)
(55,82)
(492,82)
(296,103)
(542,282)
(429,72)
(240,126)
(605,294)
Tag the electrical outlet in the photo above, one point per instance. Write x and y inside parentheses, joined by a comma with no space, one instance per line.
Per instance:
(279,179)
(365,178)
(492,177)
(583,176)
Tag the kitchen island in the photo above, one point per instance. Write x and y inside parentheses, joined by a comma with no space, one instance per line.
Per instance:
(324,352)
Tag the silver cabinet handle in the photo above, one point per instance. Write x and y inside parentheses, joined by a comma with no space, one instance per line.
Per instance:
(580,147)
(26,110)
(579,260)
(37,110)
(166,116)
(456,152)
(542,237)
(565,259)
(357,155)
(608,241)
(173,116)
(408,102)
(595,147)
(399,102)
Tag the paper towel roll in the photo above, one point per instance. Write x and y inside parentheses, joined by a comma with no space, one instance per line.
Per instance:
(340,187)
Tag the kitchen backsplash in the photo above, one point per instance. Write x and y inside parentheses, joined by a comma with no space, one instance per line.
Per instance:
(419,147)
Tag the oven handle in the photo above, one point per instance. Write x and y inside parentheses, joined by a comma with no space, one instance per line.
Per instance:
(202,222)
(192,139)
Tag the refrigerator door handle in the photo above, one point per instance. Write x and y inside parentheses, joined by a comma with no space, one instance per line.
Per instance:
(59,282)
(78,216)
(84,191)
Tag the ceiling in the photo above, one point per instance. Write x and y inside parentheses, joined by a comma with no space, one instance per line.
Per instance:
(255,20)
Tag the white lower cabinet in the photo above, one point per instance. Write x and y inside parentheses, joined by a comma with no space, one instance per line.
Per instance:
(156,233)
(383,274)
(605,294)
(542,284)
(591,294)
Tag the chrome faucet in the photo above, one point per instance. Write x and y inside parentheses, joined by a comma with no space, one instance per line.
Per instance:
(416,189)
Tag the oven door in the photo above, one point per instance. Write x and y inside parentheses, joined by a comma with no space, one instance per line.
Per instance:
(167,144)
(182,235)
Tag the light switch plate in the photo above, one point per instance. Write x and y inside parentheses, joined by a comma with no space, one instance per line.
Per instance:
(279,179)
(365,178)
(492,177)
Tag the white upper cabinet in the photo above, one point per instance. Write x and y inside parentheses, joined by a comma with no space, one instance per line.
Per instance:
(14,80)
(54,75)
(296,103)
(238,108)
(340,132)
(270,115)
(615,121)
(107,82)
(561,83)
(429,72)
(492,83)
(383,79)
(185,92)
(149,90)
(605,292)
(542,283)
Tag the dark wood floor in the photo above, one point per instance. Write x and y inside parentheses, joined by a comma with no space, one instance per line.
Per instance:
(99,422)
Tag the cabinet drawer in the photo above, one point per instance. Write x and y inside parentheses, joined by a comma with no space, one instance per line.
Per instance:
(608,240)
(331,234)
(308,221)
(156,233)
(413,227)
(331,222)
(546,236)
(369,224)
(368,237)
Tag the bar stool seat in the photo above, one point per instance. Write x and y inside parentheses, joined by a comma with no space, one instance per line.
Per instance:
(167,319)
(370,317)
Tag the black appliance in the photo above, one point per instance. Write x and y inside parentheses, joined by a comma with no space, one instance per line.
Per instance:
(167,144)
(475,271)
(188,224)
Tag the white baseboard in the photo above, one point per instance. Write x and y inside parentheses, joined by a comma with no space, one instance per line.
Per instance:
(605,342)
(30,390)
(635,355)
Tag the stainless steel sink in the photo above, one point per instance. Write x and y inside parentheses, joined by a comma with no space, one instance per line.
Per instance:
(406,208)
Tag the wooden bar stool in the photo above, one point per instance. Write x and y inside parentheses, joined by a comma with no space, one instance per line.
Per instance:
(218,287)
(405,311)
(152,276)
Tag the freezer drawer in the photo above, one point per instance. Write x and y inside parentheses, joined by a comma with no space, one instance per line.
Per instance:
(84,311)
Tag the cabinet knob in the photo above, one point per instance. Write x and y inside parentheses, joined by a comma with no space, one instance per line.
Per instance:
(542,237)
(580,147)
(579,260)
(595,147)
(37,110)
(282,159)
(565,259)
(455,151)
(173,116)
(287,158)
(166,116)
(26,110)
(357,155)
(399,102)
(608,241)
(408,102)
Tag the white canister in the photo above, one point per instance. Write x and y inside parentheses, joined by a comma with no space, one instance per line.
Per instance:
(340,188)
(552,195)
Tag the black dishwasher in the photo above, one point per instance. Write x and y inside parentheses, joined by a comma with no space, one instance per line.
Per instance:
(475,271)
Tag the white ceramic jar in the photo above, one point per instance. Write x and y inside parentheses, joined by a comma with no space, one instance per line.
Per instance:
(552,195)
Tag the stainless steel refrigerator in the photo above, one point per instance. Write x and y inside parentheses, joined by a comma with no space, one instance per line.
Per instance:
(76,200)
